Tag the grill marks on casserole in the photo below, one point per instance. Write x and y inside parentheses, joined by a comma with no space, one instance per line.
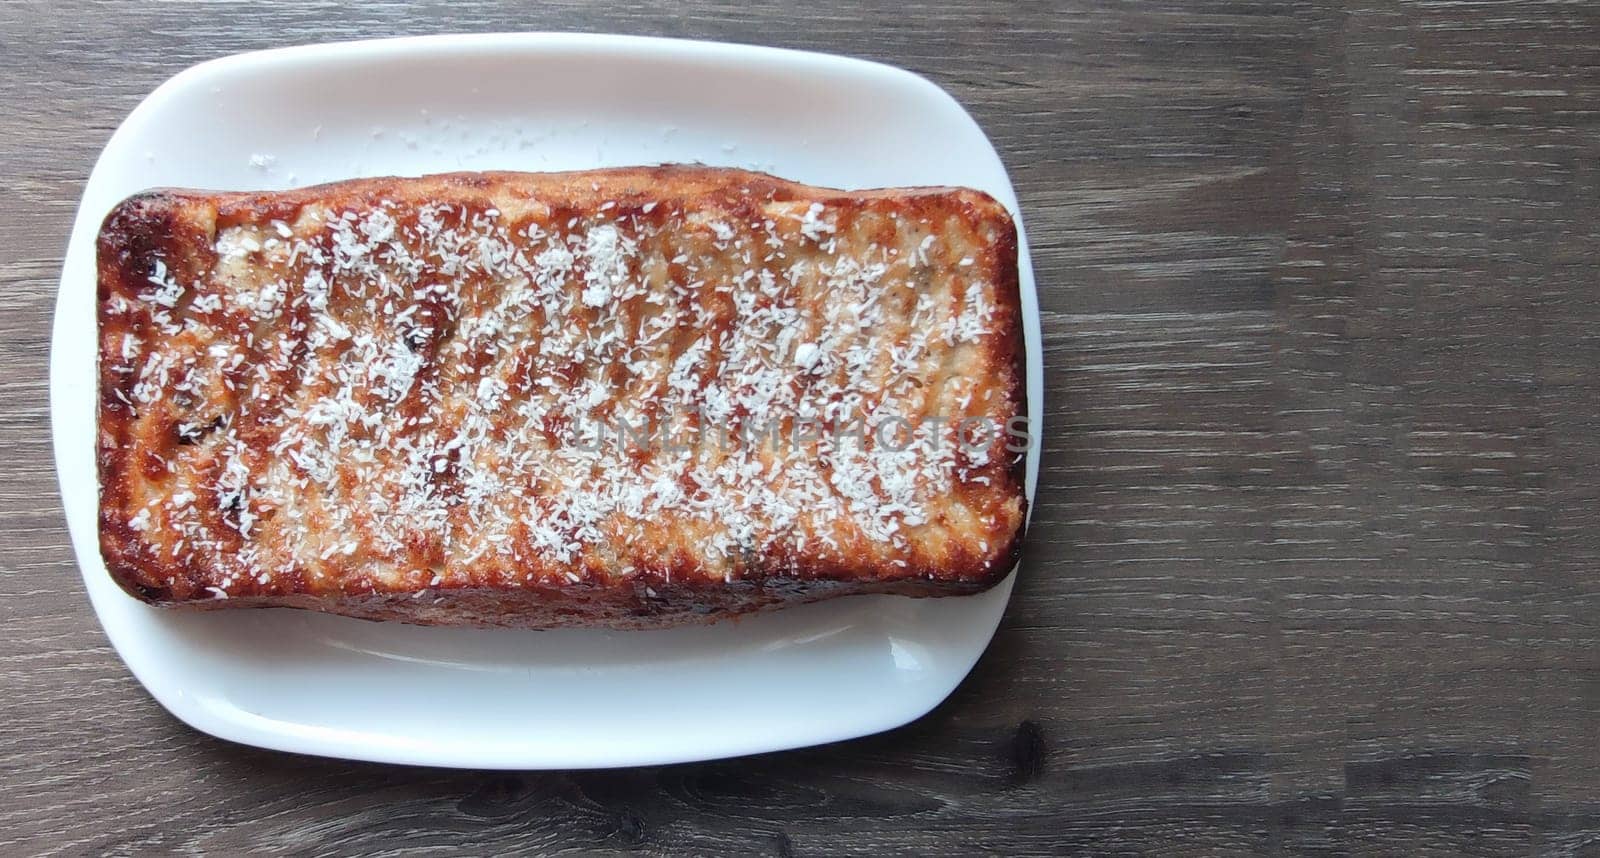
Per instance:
(405,389)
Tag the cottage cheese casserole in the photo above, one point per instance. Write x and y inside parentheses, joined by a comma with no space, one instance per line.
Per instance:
(619,398)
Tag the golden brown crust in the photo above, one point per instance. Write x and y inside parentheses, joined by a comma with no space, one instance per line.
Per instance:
(253,428)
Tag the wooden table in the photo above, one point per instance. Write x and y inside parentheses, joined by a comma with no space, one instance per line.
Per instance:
(1313,568)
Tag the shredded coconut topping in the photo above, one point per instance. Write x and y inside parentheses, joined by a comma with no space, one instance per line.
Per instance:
(421,387)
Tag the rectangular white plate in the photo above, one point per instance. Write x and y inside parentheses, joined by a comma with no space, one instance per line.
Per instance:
(329,685)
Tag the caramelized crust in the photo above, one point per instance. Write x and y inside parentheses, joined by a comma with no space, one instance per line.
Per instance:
(619,398)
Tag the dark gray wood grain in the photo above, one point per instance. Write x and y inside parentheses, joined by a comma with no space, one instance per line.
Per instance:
(1314,563)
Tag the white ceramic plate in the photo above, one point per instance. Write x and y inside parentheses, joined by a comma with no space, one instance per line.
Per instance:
(504,698)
